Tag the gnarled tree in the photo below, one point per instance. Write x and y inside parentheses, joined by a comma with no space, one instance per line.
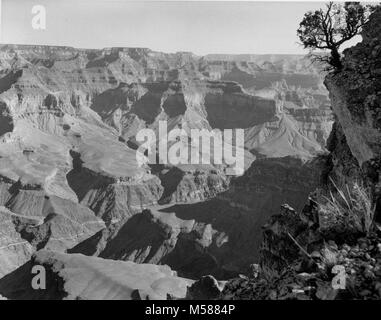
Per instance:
(327,29)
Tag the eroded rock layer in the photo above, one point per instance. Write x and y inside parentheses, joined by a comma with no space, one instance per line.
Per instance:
(76,277)
(69,176)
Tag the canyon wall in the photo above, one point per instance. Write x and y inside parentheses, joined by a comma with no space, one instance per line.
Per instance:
(69,177)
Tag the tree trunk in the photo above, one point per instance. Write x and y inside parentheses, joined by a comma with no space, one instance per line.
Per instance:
(335,60)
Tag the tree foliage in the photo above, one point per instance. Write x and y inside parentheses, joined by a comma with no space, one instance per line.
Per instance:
(327,29)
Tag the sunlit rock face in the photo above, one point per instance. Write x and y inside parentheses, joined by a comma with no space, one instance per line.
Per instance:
(77,277)
(14,250)
(70,180)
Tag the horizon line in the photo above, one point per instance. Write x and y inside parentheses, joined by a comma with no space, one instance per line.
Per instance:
(147,48)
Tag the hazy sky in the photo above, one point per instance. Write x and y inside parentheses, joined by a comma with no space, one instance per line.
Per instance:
(200,27)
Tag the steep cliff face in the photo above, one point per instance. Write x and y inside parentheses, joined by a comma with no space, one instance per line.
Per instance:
(160,237)
(356,101)
(221,236)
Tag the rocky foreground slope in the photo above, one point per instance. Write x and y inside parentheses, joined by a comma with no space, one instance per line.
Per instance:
(70,182)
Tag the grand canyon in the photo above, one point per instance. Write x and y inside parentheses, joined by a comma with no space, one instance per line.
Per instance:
(74,200)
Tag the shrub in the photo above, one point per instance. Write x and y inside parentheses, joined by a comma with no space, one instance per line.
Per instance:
(346,209)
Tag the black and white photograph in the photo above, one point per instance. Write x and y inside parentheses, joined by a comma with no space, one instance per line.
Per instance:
(212,151)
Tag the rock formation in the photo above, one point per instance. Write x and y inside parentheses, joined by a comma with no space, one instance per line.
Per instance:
(76,277)
(70,181)
(15,251)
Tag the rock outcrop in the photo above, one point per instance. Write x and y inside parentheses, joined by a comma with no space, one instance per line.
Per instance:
(14,250)
(356,99)
(299,262)
(77,277)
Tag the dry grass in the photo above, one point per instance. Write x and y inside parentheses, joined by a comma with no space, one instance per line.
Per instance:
(269,274)
(349,208)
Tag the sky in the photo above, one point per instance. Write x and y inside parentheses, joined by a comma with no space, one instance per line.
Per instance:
(169,26)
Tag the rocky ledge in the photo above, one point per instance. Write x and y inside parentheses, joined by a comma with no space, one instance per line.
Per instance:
(298,262)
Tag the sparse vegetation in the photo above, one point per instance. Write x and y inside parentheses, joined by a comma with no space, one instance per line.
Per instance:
(328,29)
(347,209)
(269,274)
